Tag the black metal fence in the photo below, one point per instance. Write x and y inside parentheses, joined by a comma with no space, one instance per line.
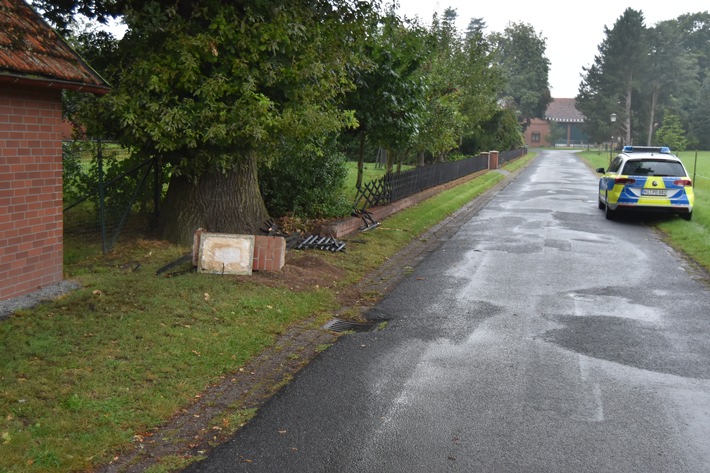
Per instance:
(395,186)
(507,156)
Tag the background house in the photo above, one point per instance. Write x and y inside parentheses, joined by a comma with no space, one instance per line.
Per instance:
(36,65)
(564,114)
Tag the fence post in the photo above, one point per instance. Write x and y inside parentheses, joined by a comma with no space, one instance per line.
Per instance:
(102,193)
(157,189)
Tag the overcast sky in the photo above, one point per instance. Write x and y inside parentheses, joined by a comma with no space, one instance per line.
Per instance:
(572,30)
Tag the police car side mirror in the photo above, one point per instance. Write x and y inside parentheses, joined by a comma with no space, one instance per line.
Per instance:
(600,170)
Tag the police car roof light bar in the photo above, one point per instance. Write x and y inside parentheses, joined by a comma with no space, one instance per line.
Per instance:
(647,149)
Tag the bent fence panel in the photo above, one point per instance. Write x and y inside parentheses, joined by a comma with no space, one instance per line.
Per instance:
(396,186)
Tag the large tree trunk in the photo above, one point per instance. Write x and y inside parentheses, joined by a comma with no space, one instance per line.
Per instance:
(223,203)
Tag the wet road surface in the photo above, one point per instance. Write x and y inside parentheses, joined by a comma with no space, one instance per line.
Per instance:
(539,338)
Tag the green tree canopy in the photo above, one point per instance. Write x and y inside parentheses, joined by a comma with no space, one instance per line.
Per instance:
(670,72)
(210,87)
(609,85)
(641,71)
(217,90)
(387,99)
(700,118)
(671,133)
(520,52)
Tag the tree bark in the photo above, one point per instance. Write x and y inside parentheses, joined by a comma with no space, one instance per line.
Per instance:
(217,202)
(654,99)
(360,160)
(627,113)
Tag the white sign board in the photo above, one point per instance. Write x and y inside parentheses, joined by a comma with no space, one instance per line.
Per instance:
(223,253)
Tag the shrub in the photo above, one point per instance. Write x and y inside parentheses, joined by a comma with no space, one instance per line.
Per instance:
(306,181)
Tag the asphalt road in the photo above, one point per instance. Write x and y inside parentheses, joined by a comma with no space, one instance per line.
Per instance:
(538,338)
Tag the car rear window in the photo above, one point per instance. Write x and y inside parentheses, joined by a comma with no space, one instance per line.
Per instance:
(649,167)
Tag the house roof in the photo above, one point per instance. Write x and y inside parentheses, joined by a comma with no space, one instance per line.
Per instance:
(32,53)
(563,111)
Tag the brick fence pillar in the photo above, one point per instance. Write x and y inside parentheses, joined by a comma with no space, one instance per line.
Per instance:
(493,160)
(487,156)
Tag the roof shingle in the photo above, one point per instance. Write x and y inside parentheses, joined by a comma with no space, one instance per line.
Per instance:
(31,52)
(564,111)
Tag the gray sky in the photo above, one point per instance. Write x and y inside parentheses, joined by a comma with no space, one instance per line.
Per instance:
(572,32)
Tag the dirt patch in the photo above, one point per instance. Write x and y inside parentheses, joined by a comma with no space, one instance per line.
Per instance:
(301,272)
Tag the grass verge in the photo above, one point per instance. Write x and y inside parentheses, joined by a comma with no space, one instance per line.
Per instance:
(88,376)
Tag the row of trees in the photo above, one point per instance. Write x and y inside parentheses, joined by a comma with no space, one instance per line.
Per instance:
(655,80)
(224,92)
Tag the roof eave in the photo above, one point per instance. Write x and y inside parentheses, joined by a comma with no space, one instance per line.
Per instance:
(53,83)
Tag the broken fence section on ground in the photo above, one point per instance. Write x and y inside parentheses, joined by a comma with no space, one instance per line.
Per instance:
(317,242)
(367,218)
(299,241)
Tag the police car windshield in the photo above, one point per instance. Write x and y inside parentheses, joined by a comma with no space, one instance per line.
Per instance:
(650,167)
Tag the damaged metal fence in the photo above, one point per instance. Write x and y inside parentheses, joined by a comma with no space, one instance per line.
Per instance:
(396,186)
(299,241)
(317,242)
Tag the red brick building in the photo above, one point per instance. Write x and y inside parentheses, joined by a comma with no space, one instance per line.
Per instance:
(564,113)
(36,65)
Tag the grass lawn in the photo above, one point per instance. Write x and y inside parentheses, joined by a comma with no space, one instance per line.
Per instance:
(90,374)
(693,238)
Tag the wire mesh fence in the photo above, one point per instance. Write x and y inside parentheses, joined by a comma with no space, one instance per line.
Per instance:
(108,191)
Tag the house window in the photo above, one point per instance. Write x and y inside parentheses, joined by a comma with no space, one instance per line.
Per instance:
(536,137)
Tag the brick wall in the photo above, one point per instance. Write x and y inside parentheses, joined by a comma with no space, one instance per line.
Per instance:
(538,127)
(30,189)
(269,253)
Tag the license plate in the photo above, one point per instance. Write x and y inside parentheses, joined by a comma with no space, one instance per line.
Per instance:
(661,192)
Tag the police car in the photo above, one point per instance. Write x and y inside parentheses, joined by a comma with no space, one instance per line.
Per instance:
(648,179)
